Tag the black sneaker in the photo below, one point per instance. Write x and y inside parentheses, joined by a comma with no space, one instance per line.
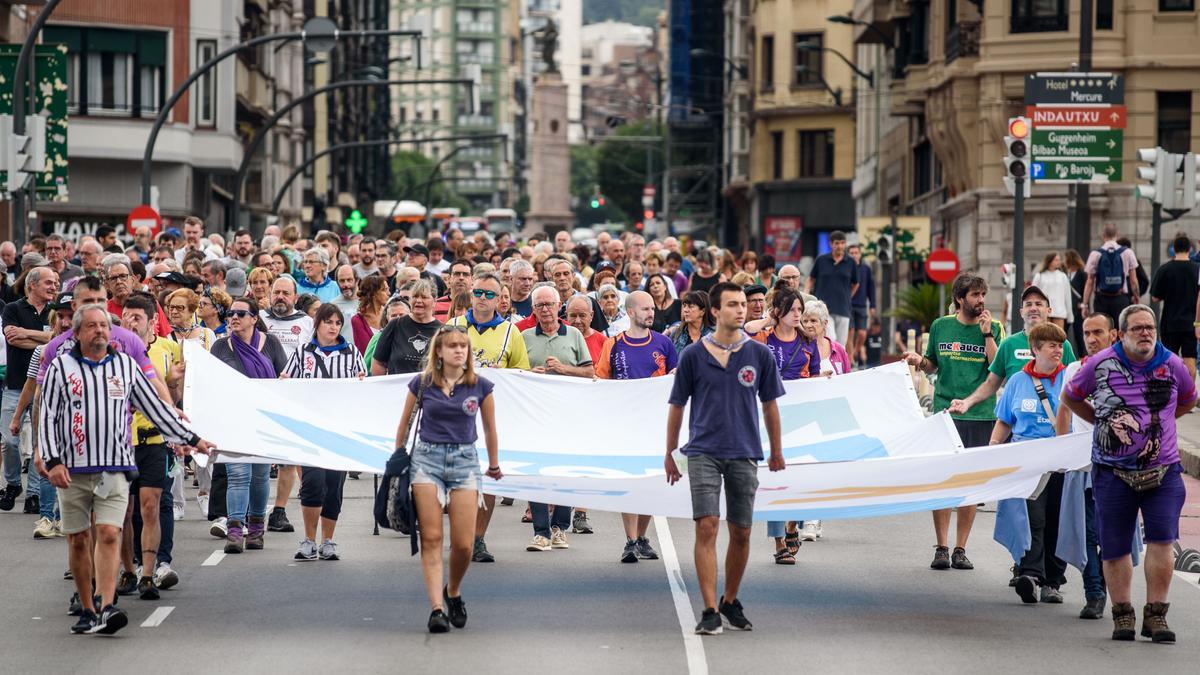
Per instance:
(644,550)
(438,623)
(278,521)
(959,559)
(630,554)
(1012,582)
(732,611)
(127,584)
(75,607)
(32,505)
(146,589)
(111,620)
(941,558)
(580,524)
(86,622)
(1094,609)
(458,609)
(507,501)
(710,623)
(8,497)
(1027,589)
(481,554)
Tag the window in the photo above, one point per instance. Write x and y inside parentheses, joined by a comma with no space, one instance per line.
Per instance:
(918,26)
(113,72)
(1104,14)
(1176,5)
(777,154)
(816,154)
(1039,16)
(768,62)
(1175,120)
(808,57)
(206,88)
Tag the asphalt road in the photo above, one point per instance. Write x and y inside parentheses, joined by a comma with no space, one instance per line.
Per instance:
(861,600)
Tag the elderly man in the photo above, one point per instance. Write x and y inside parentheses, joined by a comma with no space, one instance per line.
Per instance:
(56,251)
(347,300)
(554,348)
(562,242)
(615,253)
(637,247)
(26,325)
(193,240)
(90,253)
(8,255)
(523,279)
(119,280)
(1137,390)
(315,279)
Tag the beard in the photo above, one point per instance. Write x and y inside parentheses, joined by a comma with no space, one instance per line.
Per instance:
(973,311)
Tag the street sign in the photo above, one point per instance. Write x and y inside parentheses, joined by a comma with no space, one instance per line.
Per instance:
(1073,143)
(50,179)
(1074,88)
(1096,117)
(942,265)
(143,216)
(1090,170)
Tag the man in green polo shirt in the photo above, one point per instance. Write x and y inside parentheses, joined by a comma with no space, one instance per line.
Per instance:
(1014,352)
(959,349)
(559,349)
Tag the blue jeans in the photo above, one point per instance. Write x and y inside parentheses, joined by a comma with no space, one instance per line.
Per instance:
(1093,573)
(542,520)
(776,529)
(12,444)
(249,487)
(47,495)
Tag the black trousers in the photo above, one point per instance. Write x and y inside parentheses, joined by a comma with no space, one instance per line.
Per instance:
(216,494)
(323,488)
(1039,561)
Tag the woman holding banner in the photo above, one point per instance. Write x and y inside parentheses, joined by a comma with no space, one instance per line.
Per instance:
(445,466)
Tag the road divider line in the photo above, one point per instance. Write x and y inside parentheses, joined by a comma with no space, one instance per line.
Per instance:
(216,557)
(157,617)
(1189,578)
(693,646)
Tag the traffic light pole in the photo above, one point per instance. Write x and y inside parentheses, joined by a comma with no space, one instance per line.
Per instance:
(1018,253)
(20,225)
(1079,237)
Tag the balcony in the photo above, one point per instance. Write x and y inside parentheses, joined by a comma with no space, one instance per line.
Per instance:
(476,57)
(484,121)
(486,28)
(962,40)
(477,152)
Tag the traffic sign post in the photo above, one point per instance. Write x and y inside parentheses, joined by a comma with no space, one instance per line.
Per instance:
(1089,169)
(1075,88)
(1078,126)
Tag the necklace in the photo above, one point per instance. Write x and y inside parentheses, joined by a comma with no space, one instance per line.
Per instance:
(729,348)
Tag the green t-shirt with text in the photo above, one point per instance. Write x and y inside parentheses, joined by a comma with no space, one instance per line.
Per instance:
(959,352)
(1014,353)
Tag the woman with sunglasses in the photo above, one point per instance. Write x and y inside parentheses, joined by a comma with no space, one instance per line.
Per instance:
(253,352)
(212,309)
(445,465)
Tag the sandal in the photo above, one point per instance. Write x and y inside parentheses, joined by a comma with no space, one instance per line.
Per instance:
(784,557)
(792,541)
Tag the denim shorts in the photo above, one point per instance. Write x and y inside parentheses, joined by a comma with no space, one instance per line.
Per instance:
(740,476)
(1118,505)
(447,466)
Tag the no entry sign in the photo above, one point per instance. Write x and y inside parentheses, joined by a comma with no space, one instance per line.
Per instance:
(941,266)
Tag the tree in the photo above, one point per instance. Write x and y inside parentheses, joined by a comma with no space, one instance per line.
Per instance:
(584,181)
(413,172)
(621,168)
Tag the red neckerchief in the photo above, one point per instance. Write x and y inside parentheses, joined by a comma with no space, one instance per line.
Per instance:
(1028,369)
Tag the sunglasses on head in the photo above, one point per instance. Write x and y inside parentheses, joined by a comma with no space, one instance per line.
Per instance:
(454,329)
(480,293)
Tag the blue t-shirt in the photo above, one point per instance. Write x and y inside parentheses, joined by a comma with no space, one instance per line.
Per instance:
(1019,407)
(451,419)
(832,282)
(723,421)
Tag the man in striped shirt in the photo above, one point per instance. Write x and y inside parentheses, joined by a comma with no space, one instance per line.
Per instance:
(84,440)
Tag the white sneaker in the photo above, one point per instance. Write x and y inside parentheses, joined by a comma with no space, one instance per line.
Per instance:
(811,530)
(165,577)
(538,543)
(58,529)
(219,528)
(328,550)
(179,512)
(43,529)
(202,501)
(558,539)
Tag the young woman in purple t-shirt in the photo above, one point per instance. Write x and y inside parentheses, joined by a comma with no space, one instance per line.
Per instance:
(445,466)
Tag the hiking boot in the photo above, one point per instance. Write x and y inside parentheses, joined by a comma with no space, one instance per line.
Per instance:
(255,531)
(710,622)
(438,622)
(941,558)
(235,540)
(127,584)
(630,554)
(278,522)
(1154,623)
(1027,589)
(32,505)
(558,538)
(644,550)
(580,524)
(481,554)
(8,497)
(732,611)
(1051,595)
(959,559)
(146,589)
(307,550)
(1124,621)
(1094,609)
(456,607)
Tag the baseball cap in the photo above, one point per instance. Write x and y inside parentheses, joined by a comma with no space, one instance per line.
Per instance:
(421,249)
(175,278)
(605,265)
(235,283)
(63,300)
(1034,290)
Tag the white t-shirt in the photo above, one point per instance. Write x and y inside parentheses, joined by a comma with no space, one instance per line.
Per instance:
(291,331)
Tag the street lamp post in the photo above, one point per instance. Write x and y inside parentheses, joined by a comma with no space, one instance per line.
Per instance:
(319,34)
(437,167)
(810,47)
(260,138)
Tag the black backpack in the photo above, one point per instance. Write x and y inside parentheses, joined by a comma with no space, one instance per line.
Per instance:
(394,507)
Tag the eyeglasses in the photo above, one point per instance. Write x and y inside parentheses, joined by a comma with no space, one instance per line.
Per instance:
(480,293)
(176,308)
(239,313)
(545,305)
(1141,329)
(120,277)
(790,277)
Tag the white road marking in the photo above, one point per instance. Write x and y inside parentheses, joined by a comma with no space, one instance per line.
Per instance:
(216,557)
(693,646)
(157,617)
(1189,578)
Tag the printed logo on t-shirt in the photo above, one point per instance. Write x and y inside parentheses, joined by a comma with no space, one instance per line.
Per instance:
(471,405)
(419,343)
(747,376)
(959,347)
(296,330)
(1023,354)
(1028,405)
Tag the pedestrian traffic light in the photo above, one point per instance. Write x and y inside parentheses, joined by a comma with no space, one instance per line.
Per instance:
(1016,154)
(355,222)
(597,201)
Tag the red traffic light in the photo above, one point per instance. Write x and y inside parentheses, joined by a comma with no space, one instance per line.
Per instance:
(1018,127)
(648,214)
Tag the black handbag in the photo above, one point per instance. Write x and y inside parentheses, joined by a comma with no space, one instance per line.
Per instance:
(394,508)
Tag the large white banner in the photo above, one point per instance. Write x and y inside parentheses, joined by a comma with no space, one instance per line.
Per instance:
(856,445)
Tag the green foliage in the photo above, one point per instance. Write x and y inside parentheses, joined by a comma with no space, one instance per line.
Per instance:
(922,304)
(904,245)
(621,170)
(412,172)
(639,12)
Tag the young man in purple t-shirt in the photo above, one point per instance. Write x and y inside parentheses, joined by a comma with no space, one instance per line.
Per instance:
(1138,389)
(723,376)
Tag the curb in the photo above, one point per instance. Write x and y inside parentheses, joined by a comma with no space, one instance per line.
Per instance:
(1189,457)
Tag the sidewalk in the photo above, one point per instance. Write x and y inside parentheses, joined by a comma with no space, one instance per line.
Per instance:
(1188,428)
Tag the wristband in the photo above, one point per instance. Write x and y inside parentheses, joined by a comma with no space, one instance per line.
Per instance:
(988,335)
(493,468)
